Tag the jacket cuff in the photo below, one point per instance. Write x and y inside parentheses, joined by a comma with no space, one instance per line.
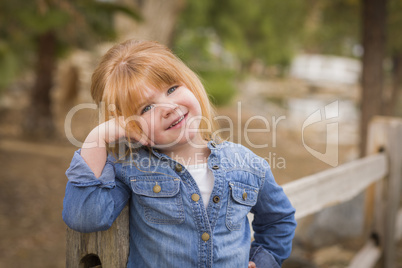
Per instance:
(262,258)
(81,175)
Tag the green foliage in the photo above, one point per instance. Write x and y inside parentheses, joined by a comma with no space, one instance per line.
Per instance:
(219,85)
(41,23)
(76,23)
(220,39)
(337,27)
(8,65)
(394,26)
(252,29)
(333,27)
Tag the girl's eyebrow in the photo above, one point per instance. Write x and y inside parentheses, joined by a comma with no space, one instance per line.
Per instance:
(149,96)
(146,99)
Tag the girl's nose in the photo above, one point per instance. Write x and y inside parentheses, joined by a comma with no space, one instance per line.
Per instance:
(167,109)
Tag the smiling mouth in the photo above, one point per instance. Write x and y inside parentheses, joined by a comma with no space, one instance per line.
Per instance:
(177,122)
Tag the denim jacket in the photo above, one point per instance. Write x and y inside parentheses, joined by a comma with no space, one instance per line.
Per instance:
(169,225)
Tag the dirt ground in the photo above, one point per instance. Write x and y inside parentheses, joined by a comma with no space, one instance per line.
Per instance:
(32,184)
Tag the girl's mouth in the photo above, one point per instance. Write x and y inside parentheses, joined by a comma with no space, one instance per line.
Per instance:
(177,122)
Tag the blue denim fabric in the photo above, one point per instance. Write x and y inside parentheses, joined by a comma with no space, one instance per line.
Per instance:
(166,228)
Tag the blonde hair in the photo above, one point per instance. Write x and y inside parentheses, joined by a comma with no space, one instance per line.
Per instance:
(128,68)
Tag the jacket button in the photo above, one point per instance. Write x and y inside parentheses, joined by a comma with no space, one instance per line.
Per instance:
(215,167)
(213,144)
(178,168)
(244,196)
(205,236)
(157,189)
(195,197)
(216,199)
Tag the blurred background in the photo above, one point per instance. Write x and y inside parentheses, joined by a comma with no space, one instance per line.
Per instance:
(278,60)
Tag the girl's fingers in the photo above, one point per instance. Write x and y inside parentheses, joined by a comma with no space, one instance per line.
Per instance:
(133,136)
(141,138)
(251,265)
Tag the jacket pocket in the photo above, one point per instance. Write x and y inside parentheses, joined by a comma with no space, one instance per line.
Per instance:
(160,198)
(242,198)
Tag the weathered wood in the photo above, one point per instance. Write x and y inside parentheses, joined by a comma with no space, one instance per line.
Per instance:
(373,198)
(330,187)
(377,140)
(374,203)
(393,146)
(367,257)
(111,246)
(382,201)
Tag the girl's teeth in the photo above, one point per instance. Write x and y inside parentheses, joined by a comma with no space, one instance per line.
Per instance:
(178,121)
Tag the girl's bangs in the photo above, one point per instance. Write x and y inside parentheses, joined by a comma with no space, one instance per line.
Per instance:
(134,88)
(162,77)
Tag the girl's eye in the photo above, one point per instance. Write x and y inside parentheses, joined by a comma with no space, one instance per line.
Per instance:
(147,108)
(171,90)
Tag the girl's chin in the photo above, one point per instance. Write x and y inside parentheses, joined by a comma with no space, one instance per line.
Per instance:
(190,139)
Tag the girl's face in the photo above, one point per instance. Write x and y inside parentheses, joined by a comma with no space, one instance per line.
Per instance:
(170,117)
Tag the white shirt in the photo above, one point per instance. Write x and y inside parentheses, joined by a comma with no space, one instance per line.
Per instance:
(204,179)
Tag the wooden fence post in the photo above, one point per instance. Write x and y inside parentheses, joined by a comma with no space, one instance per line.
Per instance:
(106,249)
(383,198)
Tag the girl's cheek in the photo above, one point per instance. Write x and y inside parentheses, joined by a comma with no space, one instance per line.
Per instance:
(145,124)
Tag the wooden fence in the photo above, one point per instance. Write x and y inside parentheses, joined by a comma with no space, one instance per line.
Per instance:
(379,174)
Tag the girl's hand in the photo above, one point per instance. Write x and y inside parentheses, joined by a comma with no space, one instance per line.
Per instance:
(93,150)
(114,129)
(251,265)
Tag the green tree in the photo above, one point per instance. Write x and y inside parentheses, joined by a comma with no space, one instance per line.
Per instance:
(39,32)
(255,29)
(221,38)
(332,27)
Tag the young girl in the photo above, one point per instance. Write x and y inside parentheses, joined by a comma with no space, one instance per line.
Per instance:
(189,194)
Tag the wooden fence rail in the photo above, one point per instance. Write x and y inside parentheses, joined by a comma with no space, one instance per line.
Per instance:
(379,174)
(334,186)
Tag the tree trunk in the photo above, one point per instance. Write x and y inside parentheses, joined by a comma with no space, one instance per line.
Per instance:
(38,120)
(159,20)
(374,17)
(396,87)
